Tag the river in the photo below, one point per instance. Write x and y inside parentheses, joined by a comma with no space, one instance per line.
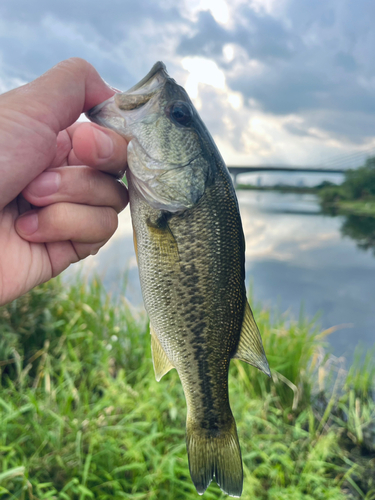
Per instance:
(295,257)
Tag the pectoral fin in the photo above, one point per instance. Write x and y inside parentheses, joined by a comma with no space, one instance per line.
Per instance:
(161,235)
(250,347)
(162,365)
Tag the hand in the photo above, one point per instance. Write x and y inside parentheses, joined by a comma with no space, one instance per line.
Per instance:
(59,195)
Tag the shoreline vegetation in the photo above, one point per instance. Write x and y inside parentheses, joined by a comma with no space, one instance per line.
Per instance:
(82,417)
(356,195)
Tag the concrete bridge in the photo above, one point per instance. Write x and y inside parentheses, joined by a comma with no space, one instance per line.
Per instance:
(334,165)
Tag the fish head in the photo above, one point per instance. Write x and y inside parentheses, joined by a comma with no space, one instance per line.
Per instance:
(170,152)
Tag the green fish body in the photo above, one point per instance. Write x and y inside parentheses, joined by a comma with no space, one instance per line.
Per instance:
(191,257)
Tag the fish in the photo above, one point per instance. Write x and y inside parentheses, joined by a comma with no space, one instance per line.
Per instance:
(190,250)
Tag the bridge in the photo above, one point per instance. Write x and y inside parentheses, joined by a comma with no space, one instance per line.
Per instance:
(336,165)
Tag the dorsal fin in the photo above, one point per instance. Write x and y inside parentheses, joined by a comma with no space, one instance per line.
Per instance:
(250,347)
(162,365)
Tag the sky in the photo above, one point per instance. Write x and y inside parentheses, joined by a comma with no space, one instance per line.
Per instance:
(275,81)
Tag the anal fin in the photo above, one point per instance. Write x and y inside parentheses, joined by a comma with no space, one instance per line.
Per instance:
(162,365)
(250,347)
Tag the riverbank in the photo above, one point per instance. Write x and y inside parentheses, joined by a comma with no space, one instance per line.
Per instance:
(83,417)
(334,206)
(355,207)
(356,195)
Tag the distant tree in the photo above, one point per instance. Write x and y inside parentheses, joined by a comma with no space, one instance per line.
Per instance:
(358,184)
(325,184)
(331,194)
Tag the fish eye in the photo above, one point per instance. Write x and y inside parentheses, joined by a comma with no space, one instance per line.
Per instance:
(181,113)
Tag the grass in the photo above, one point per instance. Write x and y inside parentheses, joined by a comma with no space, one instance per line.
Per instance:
(82,417)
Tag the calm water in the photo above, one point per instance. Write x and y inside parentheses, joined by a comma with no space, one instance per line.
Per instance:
(294,256)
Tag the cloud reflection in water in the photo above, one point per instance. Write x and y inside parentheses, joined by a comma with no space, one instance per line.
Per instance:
(294,256)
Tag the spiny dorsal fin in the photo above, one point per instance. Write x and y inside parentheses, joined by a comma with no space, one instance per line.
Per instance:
(250,347)
(162,365)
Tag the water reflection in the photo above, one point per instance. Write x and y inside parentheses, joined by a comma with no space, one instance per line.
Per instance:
(361,229)
(294,255)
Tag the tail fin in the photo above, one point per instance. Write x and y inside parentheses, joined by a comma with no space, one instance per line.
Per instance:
(216,455)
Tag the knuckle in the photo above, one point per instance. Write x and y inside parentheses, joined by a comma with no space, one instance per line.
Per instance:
(109,220)
(79,183)
(89,178)
(52,221)
(74,62)
(58,215)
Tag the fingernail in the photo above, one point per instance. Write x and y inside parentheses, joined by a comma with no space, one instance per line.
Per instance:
(44,185)
(95,249)
(110,86)
(104,144)
(28,223)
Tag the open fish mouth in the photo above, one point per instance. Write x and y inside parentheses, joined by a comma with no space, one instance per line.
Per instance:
(108,113)
(157,72)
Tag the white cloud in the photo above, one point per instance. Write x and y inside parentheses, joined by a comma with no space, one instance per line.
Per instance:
(274,80)
(8,83)
(202,70)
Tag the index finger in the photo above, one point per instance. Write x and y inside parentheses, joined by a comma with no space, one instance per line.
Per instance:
(97,147)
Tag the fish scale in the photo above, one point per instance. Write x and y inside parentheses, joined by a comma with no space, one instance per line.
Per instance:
(191,254)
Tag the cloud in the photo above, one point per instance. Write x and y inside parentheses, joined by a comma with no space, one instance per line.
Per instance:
(122,42)
(210,37)
(303,72)
(312,58)
(109,20)
(8,83)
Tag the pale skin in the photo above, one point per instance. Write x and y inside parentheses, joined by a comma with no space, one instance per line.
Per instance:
(59,188)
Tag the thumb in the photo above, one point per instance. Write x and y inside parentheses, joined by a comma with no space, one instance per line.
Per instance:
(32,115)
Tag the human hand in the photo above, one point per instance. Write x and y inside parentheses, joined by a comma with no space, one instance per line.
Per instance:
(59,195)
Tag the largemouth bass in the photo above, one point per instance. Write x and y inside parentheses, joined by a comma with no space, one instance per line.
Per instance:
(191,256)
